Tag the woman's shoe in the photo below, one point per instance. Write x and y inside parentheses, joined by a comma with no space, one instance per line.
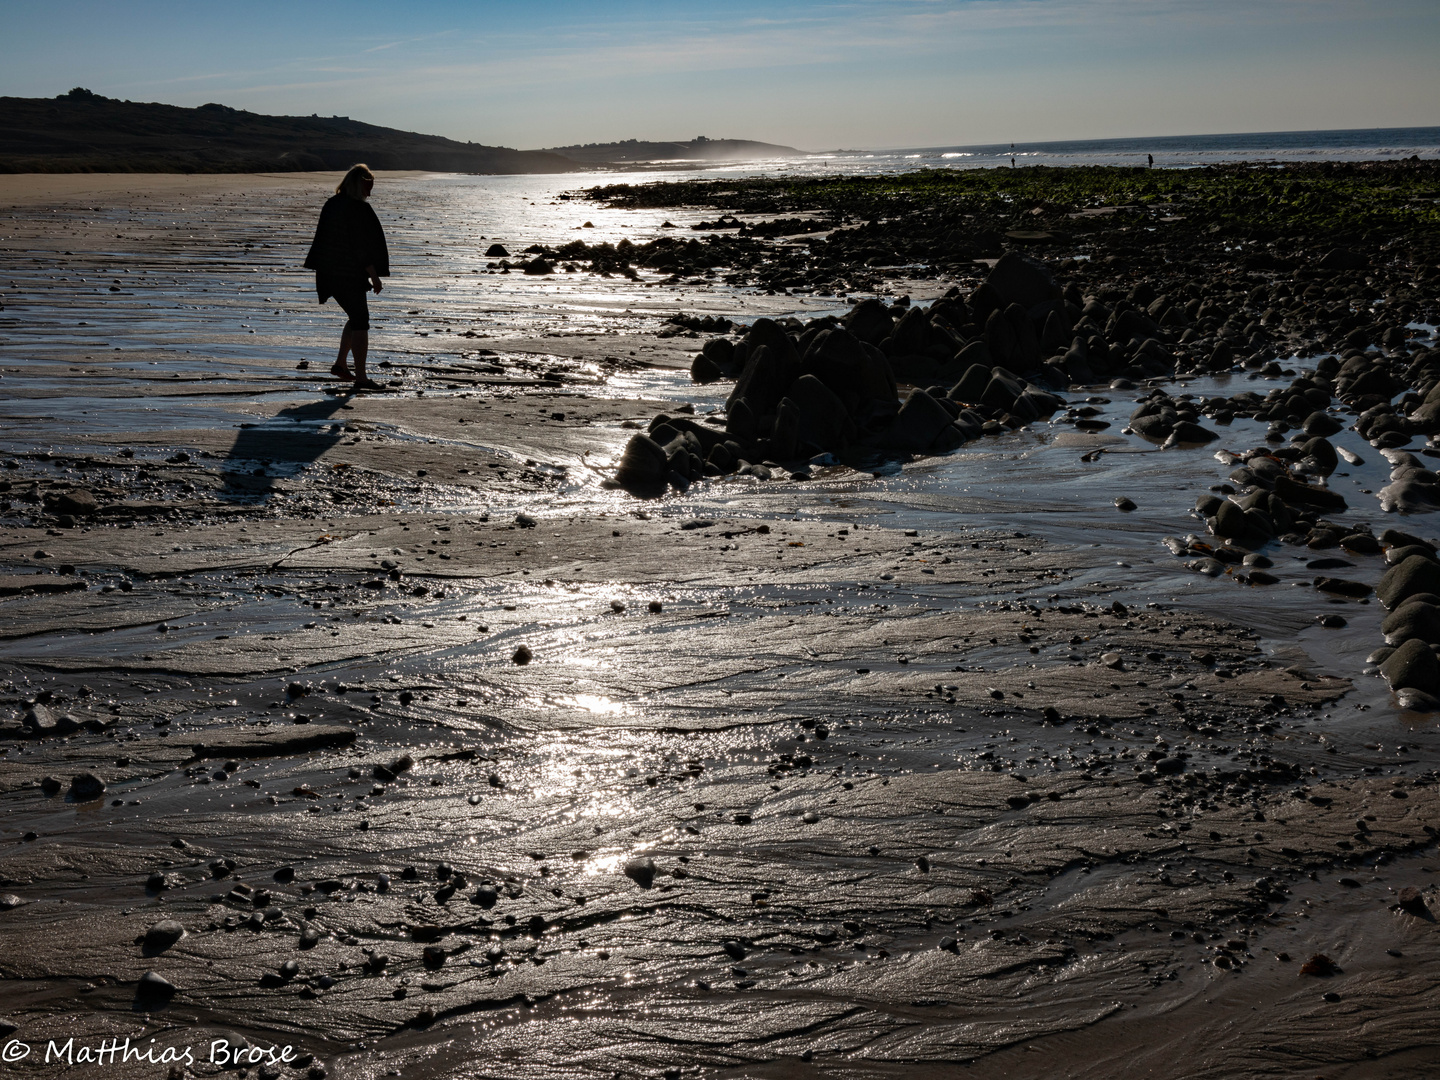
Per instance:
(367,384)
(342,372)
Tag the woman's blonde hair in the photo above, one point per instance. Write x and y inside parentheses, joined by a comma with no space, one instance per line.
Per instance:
(354,181)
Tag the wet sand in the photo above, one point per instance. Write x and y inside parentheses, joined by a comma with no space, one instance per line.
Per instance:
(891,740)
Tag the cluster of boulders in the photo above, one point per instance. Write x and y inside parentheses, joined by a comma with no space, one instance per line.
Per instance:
(831,386)
(1410,590)
(1280,494)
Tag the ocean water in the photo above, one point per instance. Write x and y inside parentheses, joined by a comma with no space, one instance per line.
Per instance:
(1170,151)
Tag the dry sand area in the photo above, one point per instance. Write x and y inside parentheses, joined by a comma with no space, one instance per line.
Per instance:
(377,726)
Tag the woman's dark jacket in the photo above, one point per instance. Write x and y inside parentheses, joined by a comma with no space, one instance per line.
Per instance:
(347,240)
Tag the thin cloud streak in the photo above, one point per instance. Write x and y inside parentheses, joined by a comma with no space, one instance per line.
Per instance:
(865,72)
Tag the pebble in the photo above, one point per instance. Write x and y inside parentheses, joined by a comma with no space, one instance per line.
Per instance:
(641,871)
(84,786)
(155,987)
(486,896)
(522,655)
(1412,900)
(163,934)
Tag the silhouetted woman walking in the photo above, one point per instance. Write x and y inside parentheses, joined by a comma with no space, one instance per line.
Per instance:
(349,258)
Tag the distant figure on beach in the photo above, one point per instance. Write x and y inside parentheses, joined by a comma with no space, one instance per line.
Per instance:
(1151,158)
(349,258)
(1012,163)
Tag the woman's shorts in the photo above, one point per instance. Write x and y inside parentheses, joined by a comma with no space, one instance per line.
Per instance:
(350,295)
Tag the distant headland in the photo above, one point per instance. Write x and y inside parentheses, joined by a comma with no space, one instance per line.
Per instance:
(84,132)
(81,131)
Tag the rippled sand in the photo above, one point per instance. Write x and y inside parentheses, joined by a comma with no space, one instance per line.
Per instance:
(875,851)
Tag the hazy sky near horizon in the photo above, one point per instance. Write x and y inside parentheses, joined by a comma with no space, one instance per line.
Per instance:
(817,75)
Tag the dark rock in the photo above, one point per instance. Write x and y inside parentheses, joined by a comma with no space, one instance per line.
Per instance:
(1186,433)
(1156,426)
(1342,586)
(522,655)
(918,424)
(1341,259)
(858,374)
(1322,424)
(1413,665)
(870,321)
(76,501)
(486,896)
(162,935)
(153,987)
(387,771)
(1412,900)
(1295,493)
(971,387)
(1417,700)
(643,466)
(1231,522)
(1322,453)
(721,352)
(767,374)
(704,370)
(86,785)
(1416,574)
(822,419)
(1396,555)
(1018,280)
(1002,390)
(1394,538)
(641,871)
(496,251)
(1412,619)
(39,720)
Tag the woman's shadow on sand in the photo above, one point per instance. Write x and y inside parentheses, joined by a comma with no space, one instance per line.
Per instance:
(266,453)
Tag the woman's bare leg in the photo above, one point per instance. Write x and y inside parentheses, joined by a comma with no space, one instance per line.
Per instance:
(347,344)
(359,349)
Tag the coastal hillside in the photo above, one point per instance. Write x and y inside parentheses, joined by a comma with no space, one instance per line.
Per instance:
(633,151)
(85,132)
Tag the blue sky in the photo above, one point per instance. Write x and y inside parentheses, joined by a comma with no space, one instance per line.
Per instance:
(865,73)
